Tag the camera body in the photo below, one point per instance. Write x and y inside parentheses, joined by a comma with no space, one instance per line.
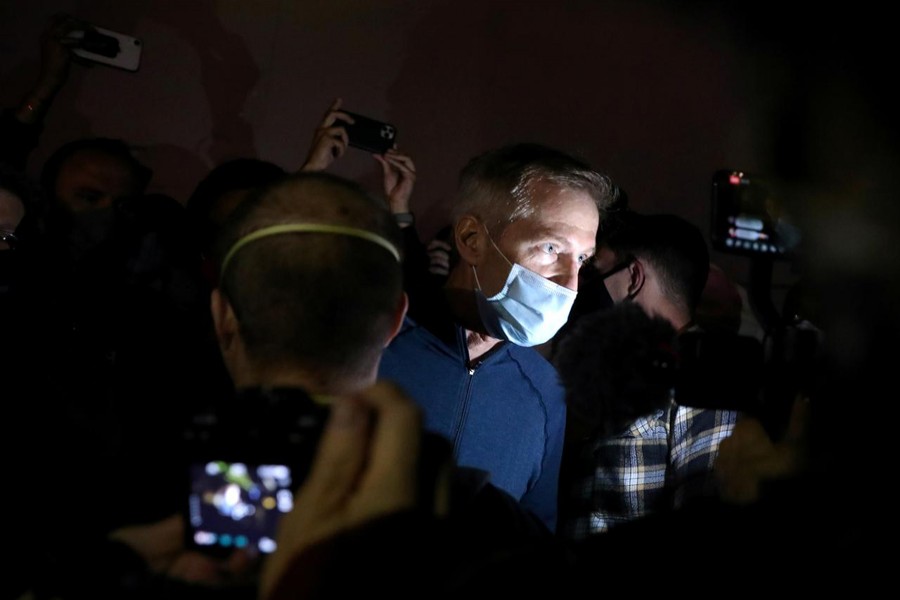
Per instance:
(749,218)
(368,134)
(243,462)
(735,372)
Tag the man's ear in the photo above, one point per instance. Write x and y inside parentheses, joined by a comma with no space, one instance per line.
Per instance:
(397,319)
(470,237)
(637,276)
(224,320)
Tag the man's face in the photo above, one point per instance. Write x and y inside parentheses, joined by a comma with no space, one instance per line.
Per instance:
(614,273)
(553,242)
(90,180)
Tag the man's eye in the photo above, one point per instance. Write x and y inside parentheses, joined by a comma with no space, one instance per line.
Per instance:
(89,196)
(549,248)
(583,258)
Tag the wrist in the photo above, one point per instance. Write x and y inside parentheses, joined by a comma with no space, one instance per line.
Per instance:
(35,104)
(47,87)
(30,111)
(404,219)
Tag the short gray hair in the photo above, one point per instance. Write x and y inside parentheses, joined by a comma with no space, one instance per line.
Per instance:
(498,186)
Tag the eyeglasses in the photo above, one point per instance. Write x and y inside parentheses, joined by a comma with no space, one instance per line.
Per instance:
(619,267)
(9,238)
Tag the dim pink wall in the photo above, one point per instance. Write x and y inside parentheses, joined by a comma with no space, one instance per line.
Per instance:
(657,98)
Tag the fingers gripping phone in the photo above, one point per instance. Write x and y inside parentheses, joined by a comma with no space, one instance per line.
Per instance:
(107,47)
(368,134)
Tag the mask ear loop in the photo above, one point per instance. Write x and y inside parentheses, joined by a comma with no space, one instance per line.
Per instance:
(491,240)
(496,247)
(475,273)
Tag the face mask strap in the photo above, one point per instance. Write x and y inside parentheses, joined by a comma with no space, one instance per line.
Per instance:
(491,240)
(497,248)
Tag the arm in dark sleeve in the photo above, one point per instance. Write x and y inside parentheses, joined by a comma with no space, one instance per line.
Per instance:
(425,289)
(17,139)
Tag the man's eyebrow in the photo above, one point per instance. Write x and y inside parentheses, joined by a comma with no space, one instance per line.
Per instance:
(545,234)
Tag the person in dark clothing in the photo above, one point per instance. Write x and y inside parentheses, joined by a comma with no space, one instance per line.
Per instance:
(21,126)
(467,356)
(289,329)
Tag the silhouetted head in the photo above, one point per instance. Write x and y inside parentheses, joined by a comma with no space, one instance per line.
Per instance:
(310,282)
(222,190)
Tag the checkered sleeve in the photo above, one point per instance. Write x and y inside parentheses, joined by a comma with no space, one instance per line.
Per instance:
(625,480)
(696,435)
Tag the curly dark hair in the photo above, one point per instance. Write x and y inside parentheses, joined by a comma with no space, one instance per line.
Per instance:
(616,366)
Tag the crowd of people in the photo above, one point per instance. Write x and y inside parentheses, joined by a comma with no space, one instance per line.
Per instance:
(494,410)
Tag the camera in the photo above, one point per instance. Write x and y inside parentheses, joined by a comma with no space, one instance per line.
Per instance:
(369,134)
(749,217)
(245,458)
(735,372)
(761,378)
(243,461)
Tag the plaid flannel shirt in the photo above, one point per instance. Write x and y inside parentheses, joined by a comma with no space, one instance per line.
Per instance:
(658,463)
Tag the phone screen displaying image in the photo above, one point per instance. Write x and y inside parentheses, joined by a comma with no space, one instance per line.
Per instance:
(237,505)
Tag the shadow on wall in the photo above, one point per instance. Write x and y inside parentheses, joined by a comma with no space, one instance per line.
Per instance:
(228,74)
(642,95)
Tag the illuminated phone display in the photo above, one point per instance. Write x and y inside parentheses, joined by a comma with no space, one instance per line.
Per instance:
(749,218)
(236,505)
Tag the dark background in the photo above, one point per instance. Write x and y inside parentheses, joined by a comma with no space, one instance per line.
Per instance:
(658,94)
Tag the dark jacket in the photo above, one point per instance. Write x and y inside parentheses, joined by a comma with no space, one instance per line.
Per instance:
(505,414)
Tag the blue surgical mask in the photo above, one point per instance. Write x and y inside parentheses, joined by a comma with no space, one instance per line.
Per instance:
(528,311)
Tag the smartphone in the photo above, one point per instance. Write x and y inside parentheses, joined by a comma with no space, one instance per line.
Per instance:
(108,47)
(749,217)
(237,505)
(370,135)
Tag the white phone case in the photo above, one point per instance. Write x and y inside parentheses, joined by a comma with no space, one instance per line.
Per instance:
(128,58)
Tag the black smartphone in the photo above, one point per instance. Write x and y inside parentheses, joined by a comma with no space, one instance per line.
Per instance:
(749,217)
(368,134)
(237,505)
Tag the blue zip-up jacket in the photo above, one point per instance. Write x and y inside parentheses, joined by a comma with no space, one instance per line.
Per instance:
(505,414)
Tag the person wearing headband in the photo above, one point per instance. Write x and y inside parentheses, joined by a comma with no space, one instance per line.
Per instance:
(309,295)
(298,285)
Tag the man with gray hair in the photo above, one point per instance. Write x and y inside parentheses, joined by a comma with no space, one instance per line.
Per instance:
(524,222)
